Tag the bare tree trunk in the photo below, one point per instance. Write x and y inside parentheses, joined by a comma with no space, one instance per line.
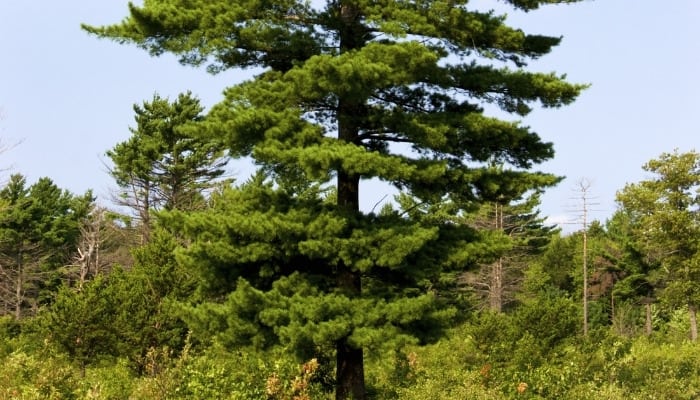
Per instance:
(496,287)
(647,325)
(585,283)
(692,313)
(19,287)
(88,257)
(612,304)
(584,187)
(497,274)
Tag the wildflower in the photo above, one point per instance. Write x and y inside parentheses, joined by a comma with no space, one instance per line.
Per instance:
(522,387)
(273,385)
(310,367)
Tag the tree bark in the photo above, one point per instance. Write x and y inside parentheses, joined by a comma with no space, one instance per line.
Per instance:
(647,325)
(350,374)
(585,278)
(692,313)
(497,274)
(612,305)
(350,377)
(496,286)
(19,286)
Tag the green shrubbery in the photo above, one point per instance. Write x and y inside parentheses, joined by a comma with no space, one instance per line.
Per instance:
(535,351)
(213,374)
(487,358)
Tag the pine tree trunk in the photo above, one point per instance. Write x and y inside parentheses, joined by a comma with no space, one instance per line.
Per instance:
(612,306)
(19,284)
(145,214)
(496,284)
(496,287)
(350,376)
(350,373)
(692,312)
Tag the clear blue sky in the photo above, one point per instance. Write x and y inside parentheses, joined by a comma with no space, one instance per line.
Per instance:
(68,96)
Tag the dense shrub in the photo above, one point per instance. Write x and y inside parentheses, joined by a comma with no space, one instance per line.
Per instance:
(522,355)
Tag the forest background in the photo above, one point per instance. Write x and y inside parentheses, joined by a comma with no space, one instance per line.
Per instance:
(282,286)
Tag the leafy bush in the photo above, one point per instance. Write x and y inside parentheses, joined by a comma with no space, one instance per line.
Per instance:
(30,376)
(111,381)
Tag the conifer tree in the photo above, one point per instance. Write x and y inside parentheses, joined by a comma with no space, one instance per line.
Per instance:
(665,211)
(349,91)
(81,323)
(165,165)
(523,234)
(39,229)
(640,275)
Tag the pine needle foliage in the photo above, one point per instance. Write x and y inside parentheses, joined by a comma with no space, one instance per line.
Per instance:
(350,91)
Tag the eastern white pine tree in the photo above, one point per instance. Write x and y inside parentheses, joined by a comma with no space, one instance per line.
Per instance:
(346,85)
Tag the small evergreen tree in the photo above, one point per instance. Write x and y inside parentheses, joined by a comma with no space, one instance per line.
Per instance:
(640,274)
(147,317)
(82,324)
(165,164)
